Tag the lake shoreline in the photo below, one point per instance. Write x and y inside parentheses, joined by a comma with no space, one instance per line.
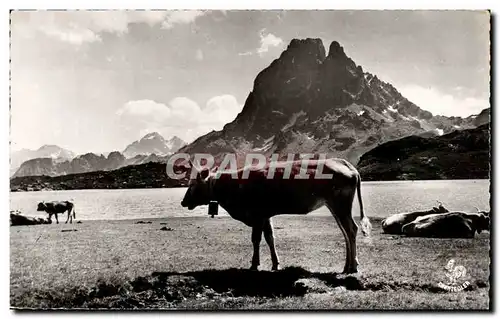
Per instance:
(380,199)
(19,189)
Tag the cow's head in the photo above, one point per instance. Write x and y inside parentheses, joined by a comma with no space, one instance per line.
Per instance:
(198,192)
(41,206)
(483,222)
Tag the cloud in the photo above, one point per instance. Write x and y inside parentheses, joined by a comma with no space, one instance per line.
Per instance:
(77,27)
(246,53)
(222,110)
(439,103)
(181,116)
(146,110)
(199,55)
(267,41)
(181,17)
(75,36)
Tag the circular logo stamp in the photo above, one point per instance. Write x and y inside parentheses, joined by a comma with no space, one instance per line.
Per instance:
(454,274)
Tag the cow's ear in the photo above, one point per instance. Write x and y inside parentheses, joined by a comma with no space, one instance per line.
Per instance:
(204,173)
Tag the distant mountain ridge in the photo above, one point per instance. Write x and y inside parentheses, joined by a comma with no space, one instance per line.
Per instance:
(151,148)
(463,154)
(153,143)
(54,152)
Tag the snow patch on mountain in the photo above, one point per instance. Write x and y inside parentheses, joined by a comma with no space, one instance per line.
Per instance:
(293,120)
(392,109)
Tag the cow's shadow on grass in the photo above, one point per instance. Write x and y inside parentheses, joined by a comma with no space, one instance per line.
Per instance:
(245,282)
(167,289)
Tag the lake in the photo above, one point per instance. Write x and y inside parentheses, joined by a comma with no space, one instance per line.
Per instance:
(380,199)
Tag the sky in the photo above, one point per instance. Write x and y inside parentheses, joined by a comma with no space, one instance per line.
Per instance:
(94,81)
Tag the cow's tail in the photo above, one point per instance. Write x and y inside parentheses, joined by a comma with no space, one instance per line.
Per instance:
(366,226)
(74,213)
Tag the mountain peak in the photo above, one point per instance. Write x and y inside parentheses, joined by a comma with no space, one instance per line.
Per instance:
(153,143)
(336,50)
(176,138)
(310,49)
(49,147)
(152,135)
(306,102)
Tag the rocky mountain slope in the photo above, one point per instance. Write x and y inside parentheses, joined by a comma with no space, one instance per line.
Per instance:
(153,143)
(309,102)
(463,154)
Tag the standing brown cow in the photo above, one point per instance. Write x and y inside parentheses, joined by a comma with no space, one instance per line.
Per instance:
(254,200)
(54,208)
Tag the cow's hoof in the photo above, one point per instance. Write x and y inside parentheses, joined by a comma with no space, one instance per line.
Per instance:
(254,267)
(275,268)
(349,271)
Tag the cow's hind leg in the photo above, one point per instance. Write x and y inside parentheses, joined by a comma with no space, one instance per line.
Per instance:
(341,208)
(269,237)
(70,217)
(347,242)
(256,238)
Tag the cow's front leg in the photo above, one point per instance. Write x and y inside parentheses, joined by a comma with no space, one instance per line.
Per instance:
(57,220)
(269,237)
(256,238)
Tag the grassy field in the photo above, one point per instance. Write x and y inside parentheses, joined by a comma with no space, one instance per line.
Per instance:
(201,263)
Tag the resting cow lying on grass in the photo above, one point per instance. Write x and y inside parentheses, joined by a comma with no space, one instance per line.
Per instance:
(448,225)
(16,219)
(394,224)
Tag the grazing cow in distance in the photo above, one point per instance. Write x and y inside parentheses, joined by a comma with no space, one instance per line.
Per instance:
(55,207)
(448,225)
(254,200)
(394,224)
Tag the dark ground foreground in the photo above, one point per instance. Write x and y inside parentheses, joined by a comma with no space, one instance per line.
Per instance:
(201,263)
